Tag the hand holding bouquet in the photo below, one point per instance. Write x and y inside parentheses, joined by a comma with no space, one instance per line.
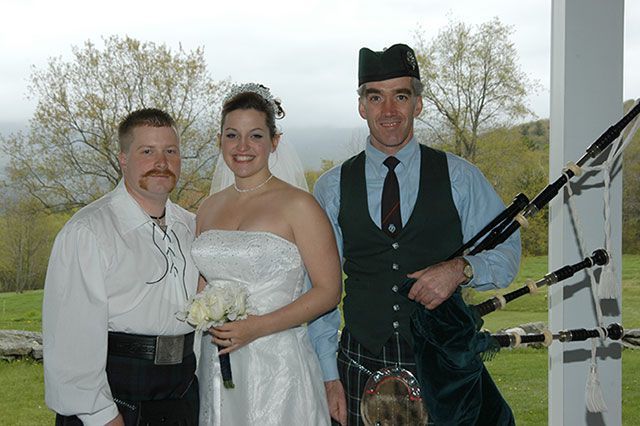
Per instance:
(219,302)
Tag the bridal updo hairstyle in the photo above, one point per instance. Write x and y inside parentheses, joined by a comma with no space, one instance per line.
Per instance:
(251,100)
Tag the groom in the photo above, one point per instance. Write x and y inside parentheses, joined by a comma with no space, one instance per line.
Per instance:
(114,352)
(398,209)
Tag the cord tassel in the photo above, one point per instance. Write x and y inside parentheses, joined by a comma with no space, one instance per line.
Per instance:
(594,397)
(608,288)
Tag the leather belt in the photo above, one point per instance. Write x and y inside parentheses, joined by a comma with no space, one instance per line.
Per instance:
(162,350)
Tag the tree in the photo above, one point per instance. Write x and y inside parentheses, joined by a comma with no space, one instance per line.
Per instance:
(68,158)
(473,83)
(631,193)
(512,166)
(26,236)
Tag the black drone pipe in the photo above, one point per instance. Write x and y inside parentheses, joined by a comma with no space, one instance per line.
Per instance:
(498,223)
(547,194)
(598,258)
(613,331)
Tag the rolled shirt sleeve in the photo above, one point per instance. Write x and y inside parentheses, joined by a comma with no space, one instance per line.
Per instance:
(323,333)
(75,324)
(477,204)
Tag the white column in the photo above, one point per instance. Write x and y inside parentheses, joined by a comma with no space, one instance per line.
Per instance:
(586,98)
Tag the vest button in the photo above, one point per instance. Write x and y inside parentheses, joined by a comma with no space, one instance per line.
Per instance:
(394,288)
(395,246)
(395,266)
(396,324)
(396,308)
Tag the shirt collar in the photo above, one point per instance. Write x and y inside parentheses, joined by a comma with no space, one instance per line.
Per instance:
(131,215)
(407,153)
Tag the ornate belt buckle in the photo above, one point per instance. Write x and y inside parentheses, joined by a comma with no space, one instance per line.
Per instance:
(169,350)
(392,396)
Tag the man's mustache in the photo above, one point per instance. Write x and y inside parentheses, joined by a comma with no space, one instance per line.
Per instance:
(167,173)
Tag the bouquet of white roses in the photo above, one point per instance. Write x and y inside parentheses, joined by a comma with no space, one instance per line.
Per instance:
(219,302)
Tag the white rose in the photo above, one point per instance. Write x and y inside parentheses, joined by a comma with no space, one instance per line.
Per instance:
(197,312)
(216,308)
(240,303)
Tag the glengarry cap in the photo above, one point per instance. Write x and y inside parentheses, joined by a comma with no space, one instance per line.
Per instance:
(398,60)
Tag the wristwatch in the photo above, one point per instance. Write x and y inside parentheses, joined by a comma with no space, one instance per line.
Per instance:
(467,271)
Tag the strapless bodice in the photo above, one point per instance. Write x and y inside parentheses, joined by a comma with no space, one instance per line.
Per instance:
(268,265)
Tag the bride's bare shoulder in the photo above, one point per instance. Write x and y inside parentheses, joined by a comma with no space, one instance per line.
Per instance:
(214,199)
(298,203)
(292,194)
(209,206)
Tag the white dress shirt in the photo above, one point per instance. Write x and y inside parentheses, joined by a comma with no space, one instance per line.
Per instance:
(111,269)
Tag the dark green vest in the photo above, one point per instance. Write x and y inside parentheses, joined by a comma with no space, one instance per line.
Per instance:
(375,262)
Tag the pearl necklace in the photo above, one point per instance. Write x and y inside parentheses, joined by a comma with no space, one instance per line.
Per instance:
(251,189)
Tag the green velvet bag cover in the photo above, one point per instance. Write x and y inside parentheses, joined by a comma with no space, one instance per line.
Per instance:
(456,386)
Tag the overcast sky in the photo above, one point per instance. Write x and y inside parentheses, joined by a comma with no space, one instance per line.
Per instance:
(306,51)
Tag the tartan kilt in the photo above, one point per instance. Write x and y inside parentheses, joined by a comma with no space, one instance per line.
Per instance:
(149,394)
(135,379)
(354,378)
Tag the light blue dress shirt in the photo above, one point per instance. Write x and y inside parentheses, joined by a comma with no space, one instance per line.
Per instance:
(474,198)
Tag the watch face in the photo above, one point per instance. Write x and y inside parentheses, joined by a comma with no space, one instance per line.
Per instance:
(468,271)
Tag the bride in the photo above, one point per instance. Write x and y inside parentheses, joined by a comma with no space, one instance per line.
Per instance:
(263,232)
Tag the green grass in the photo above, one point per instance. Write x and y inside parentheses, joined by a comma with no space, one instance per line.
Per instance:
(521,374)
(631,291)
(630,387)
(21,311)
(533,308)
(527,395)
(22,394)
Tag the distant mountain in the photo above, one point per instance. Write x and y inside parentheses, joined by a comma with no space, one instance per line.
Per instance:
(312,144)
(316,144)
(8,127)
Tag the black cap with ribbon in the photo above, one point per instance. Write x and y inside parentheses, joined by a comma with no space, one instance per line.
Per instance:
(398,60)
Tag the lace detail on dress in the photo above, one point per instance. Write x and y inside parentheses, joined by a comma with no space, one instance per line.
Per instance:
(269,265)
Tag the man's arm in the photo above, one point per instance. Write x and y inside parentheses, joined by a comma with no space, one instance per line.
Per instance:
(74,325)
(323,331)
(477,204)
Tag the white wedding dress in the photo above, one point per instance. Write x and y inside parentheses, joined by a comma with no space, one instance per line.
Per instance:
(277,377)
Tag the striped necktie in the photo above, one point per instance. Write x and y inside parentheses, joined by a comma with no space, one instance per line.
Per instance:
(391,220)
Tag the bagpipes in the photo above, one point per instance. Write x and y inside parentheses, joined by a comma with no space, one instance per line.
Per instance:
(513,339)
(455,386)
(599,257)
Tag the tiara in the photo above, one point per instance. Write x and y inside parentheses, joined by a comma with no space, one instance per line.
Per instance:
(256,88)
